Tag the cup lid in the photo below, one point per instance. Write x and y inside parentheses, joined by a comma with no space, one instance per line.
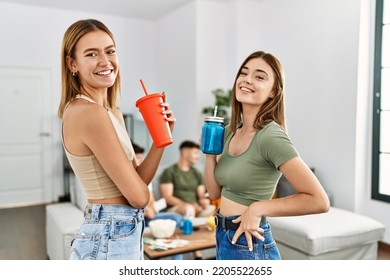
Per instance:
(146,97)
(214,119)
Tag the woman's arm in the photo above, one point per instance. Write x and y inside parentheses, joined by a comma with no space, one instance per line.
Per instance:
(98,134)
(147,176)
(309,199)
(211,184)
(150,211)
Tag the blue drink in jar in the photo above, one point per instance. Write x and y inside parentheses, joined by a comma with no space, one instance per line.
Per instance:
(213,135)
(186,226)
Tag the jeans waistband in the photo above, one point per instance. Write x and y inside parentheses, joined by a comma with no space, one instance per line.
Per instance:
(227,224)
(97,211)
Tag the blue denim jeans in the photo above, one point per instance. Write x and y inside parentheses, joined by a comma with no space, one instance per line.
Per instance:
(109,232)
(262,250)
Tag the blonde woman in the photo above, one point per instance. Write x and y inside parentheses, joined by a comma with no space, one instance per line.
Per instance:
(99,149)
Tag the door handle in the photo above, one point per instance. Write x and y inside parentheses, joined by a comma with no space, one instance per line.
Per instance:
(44,134)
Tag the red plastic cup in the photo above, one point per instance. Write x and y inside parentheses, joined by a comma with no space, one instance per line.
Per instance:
(151,111)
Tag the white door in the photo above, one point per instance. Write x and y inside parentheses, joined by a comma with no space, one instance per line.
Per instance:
(25,136)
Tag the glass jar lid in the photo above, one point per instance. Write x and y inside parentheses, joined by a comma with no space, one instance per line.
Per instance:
(213,119)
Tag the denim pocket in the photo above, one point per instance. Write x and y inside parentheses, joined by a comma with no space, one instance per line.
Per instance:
(123,227)
(241,243)
(126,241)
(262,250)
(271,251)
(85,245)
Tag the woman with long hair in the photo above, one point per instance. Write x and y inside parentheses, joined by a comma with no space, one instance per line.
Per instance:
(99,149)
(257,151)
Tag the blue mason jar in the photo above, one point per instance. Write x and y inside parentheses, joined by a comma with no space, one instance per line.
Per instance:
(186,226)
(213,135)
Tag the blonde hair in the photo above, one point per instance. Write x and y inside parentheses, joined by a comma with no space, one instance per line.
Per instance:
(71,84)
(273,108)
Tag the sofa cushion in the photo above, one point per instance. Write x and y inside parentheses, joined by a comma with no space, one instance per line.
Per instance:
(321,233)
(63,220)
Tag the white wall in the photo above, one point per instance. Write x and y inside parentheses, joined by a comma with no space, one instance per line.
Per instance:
(175,68)
(214,51)
(199,47)
(31,37)
(318,46)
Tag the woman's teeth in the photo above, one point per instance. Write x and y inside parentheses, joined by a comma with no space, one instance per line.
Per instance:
(246,89)
(106,72)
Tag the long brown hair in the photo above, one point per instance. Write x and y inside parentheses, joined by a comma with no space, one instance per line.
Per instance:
(71,84)
(273,108)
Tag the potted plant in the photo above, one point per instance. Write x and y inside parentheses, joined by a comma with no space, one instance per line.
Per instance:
(222,100)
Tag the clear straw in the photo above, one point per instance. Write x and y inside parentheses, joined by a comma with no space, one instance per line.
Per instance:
(143,86)
(215,110)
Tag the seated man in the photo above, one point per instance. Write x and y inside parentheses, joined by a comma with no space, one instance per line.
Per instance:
(182,187)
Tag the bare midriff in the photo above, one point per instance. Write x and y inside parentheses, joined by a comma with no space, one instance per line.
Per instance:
(231,208)
(115,200)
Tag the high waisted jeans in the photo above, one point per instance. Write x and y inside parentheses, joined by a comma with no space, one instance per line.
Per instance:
(109,232)
(262,250)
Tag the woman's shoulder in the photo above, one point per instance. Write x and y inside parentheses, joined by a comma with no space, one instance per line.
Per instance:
(85,114)
(82,106)
(270,133)
(272,141)
(118,114)
(272,128)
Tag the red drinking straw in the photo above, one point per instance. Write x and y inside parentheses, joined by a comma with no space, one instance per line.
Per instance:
(143,86)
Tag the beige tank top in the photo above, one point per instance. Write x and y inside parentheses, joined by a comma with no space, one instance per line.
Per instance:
(96,182)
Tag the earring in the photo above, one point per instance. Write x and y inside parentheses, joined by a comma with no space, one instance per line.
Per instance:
(74,74)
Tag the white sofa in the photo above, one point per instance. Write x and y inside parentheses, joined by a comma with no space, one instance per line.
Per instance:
(336,235)
(62,222)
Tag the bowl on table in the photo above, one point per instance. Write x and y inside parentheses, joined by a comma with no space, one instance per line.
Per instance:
(162,228)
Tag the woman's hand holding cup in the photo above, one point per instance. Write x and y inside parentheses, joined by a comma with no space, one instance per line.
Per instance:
(169,117)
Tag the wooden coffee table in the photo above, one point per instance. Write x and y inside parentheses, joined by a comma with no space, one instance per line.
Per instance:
(201,238)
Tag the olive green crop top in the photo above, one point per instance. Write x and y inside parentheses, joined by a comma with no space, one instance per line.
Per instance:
(253,175)
(96,182)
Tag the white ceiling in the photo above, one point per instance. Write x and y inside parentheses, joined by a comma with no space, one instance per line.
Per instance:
(146,9)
